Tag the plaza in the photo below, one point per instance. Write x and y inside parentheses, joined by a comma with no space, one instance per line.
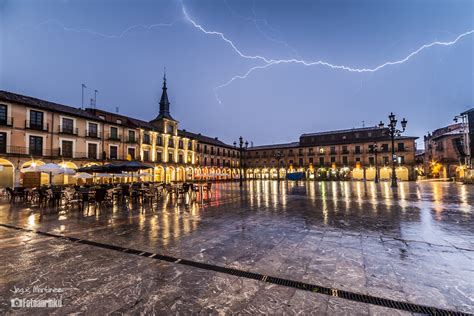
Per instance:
(410,245)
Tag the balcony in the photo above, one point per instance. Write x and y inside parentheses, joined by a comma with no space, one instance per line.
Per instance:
(74,154)
(25,151)
(114,137)
(68,130)
(131,140)
(345,152)
(6,121)
(146,141)
(93,134)
(38,126)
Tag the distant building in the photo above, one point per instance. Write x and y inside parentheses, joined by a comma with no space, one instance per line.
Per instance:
(341,154)
(446,153)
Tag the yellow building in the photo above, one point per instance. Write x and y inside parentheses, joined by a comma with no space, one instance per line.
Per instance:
(342,154)
(34,132)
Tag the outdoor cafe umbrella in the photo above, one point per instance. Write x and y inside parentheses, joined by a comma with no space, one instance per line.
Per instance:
(130,166)
(83,175)
(95,169)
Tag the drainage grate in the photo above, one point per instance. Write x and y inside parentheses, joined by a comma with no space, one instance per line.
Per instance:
(351,296)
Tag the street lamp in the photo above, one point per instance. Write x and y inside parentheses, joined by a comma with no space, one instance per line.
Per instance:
(376,150)
(393,132)
(241,150)
(278,156)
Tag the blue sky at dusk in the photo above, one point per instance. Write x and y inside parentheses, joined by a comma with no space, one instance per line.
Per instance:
(48,48)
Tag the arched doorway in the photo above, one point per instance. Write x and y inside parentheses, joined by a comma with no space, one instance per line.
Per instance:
(402,173)
(180,174)
(170,174)
(189,174)
(7,173)
(385,173)
(273,174)
(257,174)
(282,173)
(159,173)
(250,174)
(358,173)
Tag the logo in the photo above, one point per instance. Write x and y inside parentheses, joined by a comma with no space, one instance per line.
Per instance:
(34,303)
(16,302)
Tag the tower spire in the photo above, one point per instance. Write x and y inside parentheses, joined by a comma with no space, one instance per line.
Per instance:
(164,102)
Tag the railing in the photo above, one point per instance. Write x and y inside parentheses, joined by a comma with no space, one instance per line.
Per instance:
(37,126)
(93,134)
(68,130)
(6,121)
(19,150)
(131,140)
(114,137)
(345,152)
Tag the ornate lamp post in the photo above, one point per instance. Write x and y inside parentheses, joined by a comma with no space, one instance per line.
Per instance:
(376,150)
(241,150)
(394,132)
(278,156)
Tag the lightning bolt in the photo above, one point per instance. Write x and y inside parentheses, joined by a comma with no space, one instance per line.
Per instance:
(267,62)
(109,36)
(271,62)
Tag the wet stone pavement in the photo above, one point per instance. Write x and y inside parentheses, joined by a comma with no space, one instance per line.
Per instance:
(414,245)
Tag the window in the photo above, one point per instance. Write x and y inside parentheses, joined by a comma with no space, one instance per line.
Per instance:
(344,150)
(66,148)
(290,152)
(344,160)
(401,160)
(212,161)
(3,142)
(113,150)
(205,161)
(170,129)
(333,151)
(93,130)
(36,119)
(170,142)
(311,151)
(385,160)
(205,149)
(311,160)
(190,145)
(131,153)
(401,146)
(333,159)
(300,152)
(371,161)
(3,113)
(357,149)
(159,156)
(170,157)
(321,161)
(92,151)
(131,136)
(118,121)
(146,138)
(301,161)
(385,147)
(146,155)
(357,159)
(180,144)
(36,145)
(113,132)
(67,125)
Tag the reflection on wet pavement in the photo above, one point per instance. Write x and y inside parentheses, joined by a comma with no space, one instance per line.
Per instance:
(413,245)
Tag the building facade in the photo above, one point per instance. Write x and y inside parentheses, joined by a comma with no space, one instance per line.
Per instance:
(35,132)
(446,152)
(344,154)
